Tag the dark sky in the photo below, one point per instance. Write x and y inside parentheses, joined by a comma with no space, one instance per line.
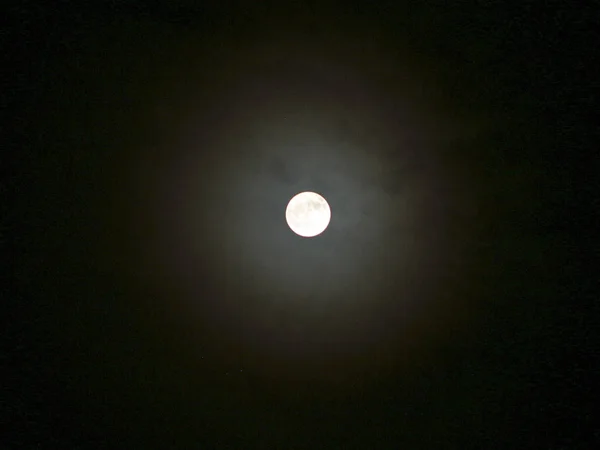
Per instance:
(159,299)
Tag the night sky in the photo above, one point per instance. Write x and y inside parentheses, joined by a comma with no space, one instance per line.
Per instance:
(159,299)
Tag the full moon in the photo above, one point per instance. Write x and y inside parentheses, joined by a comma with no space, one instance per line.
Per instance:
(308,214)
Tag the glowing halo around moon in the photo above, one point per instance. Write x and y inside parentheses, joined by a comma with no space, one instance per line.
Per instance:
(308,214)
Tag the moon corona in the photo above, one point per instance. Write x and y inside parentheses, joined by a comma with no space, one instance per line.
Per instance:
(308,214)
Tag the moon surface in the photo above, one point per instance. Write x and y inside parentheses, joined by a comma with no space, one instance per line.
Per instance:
(308,214)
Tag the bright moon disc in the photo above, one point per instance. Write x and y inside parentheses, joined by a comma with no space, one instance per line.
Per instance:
(308,214)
